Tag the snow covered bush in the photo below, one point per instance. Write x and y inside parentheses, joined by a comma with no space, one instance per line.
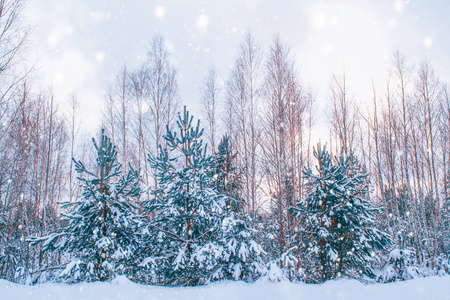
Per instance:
(420,243)
(401,265)
(443,265)
(274,273)
(102,228)
(194,236)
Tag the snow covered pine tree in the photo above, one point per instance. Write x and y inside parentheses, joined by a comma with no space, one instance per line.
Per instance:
(339,232)
(102,227)
(224,174)
(194,235)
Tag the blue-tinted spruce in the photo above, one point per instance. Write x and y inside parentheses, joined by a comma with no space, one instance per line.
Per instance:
(195,236)
(339,236)
(102,228)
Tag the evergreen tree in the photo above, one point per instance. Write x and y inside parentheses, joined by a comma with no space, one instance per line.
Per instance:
(339,234)
(194,235)
(102,228)
(224,172)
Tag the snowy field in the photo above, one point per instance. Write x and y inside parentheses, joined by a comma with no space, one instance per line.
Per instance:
(423,288)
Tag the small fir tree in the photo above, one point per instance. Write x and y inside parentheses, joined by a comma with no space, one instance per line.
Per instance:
(339,232)
(194,235)
(224,172)
(102,229)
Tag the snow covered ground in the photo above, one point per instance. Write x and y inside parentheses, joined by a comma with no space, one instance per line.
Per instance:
(423,288)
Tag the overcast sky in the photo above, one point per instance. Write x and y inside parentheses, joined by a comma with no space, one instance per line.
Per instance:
(82,44)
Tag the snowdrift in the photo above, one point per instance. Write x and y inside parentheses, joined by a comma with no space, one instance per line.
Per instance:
(121,288)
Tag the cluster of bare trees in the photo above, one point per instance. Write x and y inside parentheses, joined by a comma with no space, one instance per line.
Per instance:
(139,106)
(268,117)
(33,160)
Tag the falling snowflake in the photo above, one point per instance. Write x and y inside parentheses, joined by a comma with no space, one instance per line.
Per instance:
(100,57)
(398,6)
(428,42)
(202,22)
(160,12)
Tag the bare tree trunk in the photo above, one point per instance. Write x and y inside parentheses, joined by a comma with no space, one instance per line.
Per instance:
(403,75)
(428,86)
(48,161)
(242,90)
(210,93)
(283,135)
(73,105)
(343,116)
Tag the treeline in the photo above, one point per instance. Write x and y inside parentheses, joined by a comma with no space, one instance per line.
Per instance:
(374,205)
(33,142)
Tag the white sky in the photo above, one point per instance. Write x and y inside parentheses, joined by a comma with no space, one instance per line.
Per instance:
(82,44)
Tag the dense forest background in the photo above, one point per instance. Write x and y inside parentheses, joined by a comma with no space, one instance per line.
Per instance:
(390,157)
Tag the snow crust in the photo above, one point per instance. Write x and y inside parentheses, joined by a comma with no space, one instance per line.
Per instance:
(122,288)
